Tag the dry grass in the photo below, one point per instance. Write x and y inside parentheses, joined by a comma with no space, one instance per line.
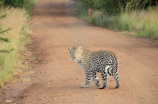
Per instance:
(11,63)
(145,23)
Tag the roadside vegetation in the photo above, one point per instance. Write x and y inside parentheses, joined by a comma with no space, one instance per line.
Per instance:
(14,30)
(137,17)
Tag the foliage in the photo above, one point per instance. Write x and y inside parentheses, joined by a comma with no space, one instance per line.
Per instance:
(6,51)
(11,62)
(99,4)
(14,3)
(26,4)
(140,23)
(80,8)
(3,38)
(136,16)
(113,6)
(14,31)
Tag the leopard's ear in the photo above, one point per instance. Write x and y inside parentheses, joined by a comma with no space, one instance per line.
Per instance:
(69,48)
(80,47)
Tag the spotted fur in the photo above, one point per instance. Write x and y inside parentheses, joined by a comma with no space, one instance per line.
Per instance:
(104,62)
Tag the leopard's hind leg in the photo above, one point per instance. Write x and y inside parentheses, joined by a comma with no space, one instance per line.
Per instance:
(116,77)
(95,79)
(104,78)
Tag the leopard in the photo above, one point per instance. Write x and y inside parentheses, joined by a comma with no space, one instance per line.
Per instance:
(93,62)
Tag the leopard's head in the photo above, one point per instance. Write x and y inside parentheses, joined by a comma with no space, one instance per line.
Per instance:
(75,53)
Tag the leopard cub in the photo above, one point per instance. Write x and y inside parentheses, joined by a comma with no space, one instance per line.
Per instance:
(104,62)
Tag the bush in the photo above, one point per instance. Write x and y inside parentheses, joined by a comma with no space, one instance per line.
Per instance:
(112,6)
(11,62)
(14,3)
(80,8)
(144,23)
(126,15)
(26,4)
(97,20)
(14,30)
(2,38)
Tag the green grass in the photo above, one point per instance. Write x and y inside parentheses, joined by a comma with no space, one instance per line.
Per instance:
(132,18)
(11,63)
(144,23)
(29,5)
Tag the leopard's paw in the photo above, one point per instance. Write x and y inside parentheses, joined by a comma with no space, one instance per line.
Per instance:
(116,86)
(84,86)
(97,85)
(102,87)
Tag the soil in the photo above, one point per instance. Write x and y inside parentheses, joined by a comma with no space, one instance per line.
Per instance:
(57,78)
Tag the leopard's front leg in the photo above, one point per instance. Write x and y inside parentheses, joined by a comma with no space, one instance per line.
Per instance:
(88,78)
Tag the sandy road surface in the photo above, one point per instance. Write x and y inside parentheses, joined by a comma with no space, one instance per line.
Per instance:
(58,79)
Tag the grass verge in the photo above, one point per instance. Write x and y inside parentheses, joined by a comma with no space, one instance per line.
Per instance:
(11,63)
(29,5)
(143,23)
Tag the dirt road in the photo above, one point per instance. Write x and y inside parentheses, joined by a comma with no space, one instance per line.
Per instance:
(58,79)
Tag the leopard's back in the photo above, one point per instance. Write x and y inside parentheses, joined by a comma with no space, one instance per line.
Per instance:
(104,60)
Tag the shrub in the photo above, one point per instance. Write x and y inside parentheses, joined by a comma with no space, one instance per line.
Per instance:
(11,63)
(126,15)
(26,4)
(14,3)
(111,6)
(144,23)
(80,8)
